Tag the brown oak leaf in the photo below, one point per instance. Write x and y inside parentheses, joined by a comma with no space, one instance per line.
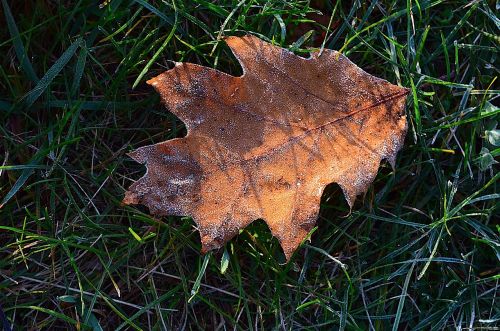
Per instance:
(266,144)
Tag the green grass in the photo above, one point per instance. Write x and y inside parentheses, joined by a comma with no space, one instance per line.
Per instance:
(420,250)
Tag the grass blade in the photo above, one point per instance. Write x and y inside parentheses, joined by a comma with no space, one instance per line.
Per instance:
(53,71)
(21,54)
(201,273)
(17,185)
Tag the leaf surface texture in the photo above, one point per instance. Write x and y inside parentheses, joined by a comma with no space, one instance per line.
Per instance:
(266,144)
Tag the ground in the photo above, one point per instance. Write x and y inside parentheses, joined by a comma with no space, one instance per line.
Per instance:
(420,250)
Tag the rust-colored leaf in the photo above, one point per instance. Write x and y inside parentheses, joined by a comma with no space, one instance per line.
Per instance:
(265,145)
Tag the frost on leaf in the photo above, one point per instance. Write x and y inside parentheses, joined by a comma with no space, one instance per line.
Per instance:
(266,144)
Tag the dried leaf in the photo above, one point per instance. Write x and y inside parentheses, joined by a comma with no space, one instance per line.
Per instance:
(265,145)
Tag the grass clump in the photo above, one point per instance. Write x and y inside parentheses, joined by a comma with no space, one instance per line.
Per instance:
(419,251)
